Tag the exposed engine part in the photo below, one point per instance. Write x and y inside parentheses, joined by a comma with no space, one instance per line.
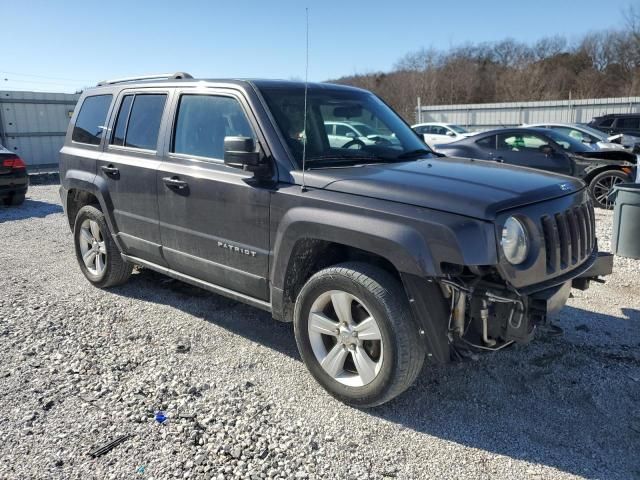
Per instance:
(484,316)
(459,313)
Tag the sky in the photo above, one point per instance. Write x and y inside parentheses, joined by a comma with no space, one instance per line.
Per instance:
(67,45)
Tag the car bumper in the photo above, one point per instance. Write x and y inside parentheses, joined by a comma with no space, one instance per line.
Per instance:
(13,183)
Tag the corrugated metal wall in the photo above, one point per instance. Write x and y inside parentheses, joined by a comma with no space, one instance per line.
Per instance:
(485,116)
(33,124)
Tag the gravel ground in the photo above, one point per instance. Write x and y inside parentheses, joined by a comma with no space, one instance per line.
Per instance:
(80,367)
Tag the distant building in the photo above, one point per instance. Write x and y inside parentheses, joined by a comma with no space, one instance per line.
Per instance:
(33,124)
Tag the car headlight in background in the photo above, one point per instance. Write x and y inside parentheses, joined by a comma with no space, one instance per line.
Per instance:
(515,241)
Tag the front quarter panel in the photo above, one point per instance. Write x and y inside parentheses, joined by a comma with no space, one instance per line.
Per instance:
(414,239)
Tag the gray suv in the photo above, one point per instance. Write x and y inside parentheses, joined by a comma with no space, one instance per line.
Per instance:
(383,255)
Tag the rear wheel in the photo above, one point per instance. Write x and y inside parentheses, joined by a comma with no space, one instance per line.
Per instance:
(602,184)
(97,253)
(356,334)
(15,199)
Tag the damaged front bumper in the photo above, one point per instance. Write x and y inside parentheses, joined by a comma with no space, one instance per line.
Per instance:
(489,315)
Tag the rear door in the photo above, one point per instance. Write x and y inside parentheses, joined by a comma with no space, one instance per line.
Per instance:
(533,151)
(128,169)
(214,219)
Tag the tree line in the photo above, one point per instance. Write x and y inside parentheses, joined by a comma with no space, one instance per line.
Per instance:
(600,64)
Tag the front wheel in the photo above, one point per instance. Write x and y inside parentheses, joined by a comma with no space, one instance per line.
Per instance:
(97,253)
(602,184)
(356,334)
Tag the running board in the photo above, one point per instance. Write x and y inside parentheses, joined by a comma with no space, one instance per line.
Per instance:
(211,287)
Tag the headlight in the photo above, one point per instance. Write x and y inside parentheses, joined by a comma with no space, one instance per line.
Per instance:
(514,242)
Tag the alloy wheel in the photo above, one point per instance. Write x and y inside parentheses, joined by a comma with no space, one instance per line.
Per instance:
(345,338)
(92,247)
(603,187)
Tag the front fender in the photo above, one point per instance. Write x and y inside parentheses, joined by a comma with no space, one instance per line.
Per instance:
(415,246)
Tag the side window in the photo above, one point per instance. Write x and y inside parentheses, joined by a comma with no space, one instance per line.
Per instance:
(519,142)
(90,124)
(606,123)
(138,121)
(328,128)
(204,120)
(629,122)
(487,142)
(342,130)
(121,121)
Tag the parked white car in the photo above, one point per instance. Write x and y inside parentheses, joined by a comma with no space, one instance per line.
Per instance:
(585,134)
(355,135)
(438,133)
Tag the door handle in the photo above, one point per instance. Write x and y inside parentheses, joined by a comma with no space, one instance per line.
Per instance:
(175,182)
(497,158)
(110,170)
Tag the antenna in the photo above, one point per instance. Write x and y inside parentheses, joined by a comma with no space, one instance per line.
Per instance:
(306,87)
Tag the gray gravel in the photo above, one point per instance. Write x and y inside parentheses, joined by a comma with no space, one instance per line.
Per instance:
(80,366)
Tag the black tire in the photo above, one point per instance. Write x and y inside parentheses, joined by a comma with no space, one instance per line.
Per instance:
(598,184)
(384,298)
(116,271)
(14,200)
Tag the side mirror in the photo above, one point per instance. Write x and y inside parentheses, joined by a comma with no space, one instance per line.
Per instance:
(240,152)
(450,133)
(350,135)
(587,140)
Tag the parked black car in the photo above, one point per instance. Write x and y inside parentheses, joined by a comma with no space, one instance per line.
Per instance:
(553,151)
(14,180)
(615,123)
(381,255)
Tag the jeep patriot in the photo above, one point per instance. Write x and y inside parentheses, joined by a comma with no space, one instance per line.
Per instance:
(383,254)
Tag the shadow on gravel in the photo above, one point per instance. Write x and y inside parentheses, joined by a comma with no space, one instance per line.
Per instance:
(571,406)
(556,403)
(29,209)
(241,319)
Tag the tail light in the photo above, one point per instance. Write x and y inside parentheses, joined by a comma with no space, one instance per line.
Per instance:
(14,162)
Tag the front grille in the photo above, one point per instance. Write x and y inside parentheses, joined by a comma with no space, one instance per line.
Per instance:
(569,237)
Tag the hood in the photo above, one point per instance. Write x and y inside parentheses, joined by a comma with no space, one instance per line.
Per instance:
(474,188)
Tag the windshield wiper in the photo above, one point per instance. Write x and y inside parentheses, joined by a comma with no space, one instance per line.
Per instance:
(338,160)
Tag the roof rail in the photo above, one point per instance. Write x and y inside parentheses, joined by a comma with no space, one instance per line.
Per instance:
(160,76)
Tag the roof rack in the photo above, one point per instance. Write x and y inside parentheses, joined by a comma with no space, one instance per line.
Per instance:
(160,76)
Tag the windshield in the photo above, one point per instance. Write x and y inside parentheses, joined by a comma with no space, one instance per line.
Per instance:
(596,133)
(568,143)
(458,129)
(365,130)
(384,136)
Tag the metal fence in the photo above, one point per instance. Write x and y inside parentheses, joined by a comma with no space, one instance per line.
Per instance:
(33,124)
(485,116)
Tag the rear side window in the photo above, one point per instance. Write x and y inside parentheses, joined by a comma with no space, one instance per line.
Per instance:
(138,121)
(203,122)
(630,122)
(90,124)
